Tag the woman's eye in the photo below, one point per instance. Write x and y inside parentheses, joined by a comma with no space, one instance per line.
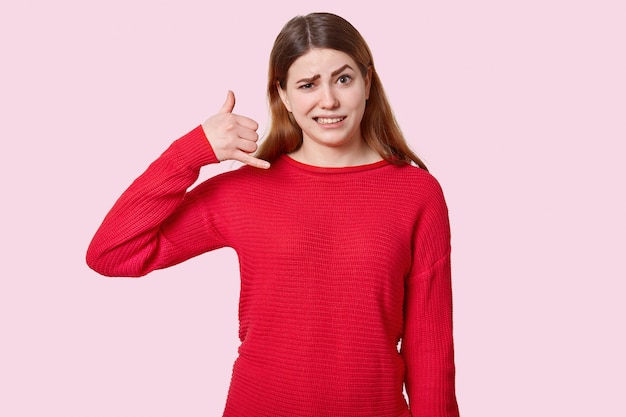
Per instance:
(306,86)
(344,79)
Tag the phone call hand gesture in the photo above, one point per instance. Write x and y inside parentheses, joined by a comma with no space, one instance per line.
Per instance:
(233,136)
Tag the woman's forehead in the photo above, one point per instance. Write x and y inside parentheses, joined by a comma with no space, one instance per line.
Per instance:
(321,62)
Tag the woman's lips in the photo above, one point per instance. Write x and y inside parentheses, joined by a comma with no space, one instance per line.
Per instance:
(328,120)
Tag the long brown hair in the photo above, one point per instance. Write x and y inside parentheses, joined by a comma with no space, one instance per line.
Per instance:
(325,30)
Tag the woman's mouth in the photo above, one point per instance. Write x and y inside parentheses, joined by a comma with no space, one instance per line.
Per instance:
(328,120)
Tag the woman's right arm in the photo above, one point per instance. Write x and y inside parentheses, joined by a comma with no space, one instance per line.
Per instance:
(155,222)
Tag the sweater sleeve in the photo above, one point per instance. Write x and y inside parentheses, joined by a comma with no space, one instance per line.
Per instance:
(427,345)
(153,225)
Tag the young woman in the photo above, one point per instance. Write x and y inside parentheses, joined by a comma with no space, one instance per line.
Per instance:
(343,241)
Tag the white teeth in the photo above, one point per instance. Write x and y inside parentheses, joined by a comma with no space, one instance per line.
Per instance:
(324,121)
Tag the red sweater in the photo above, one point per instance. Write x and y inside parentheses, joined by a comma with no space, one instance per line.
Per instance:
(338,266)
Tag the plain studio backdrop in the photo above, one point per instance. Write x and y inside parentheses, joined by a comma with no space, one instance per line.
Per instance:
(518,108)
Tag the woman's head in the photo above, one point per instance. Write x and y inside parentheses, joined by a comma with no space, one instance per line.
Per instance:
(328,31)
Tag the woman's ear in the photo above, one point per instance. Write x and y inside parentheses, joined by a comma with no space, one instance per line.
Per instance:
(368,81)
(283,96)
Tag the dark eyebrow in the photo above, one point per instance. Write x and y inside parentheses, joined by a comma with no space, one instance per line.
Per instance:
(341,70)
(308,80)
(315,77)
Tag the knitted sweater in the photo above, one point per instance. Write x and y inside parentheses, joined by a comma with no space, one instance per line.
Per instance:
(345,277)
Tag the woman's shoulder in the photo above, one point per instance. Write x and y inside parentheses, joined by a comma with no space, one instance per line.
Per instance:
(415,175)
(419,186)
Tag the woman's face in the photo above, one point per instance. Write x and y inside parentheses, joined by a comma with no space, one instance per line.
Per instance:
(326,93)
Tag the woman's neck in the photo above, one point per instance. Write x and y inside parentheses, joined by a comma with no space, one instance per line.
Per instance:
(335,157)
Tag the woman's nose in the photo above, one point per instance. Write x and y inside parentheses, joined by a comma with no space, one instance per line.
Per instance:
(328,99)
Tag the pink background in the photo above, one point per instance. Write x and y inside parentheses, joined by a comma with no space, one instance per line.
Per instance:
(518,107)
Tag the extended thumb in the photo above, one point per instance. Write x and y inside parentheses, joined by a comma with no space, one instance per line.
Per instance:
(229,104)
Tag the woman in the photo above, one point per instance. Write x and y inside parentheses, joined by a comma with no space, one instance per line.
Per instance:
(343,242)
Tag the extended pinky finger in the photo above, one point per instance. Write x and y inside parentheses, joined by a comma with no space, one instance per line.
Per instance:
(252,161)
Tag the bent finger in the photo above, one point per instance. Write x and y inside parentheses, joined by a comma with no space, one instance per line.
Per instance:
(248,146)
(248,134)
(247,122)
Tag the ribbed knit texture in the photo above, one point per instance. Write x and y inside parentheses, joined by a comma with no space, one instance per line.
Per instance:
(338,266)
